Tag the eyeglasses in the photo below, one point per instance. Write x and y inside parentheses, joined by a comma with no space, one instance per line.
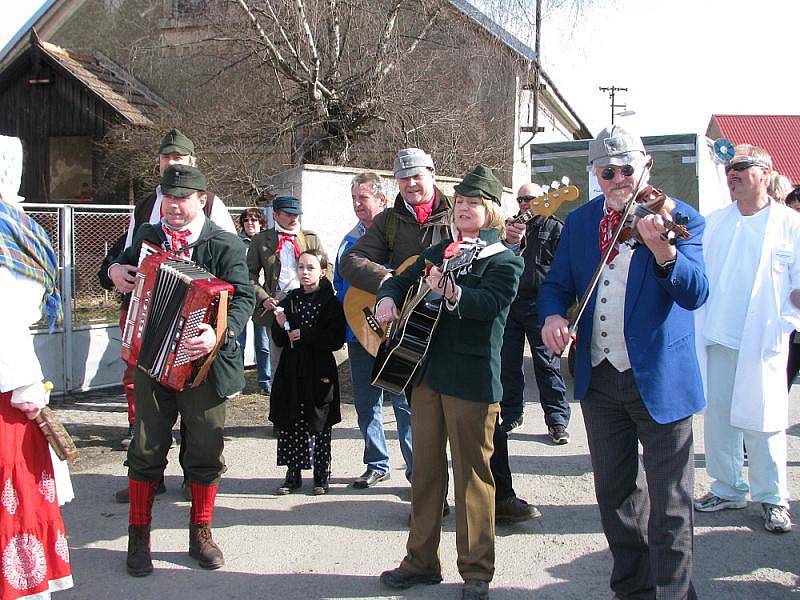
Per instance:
(526,198)
(252,220)
(741,166)
(609,172)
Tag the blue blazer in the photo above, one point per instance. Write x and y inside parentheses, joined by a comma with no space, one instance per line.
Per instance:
(659,325)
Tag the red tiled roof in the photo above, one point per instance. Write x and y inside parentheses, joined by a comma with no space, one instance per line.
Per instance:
(777,134)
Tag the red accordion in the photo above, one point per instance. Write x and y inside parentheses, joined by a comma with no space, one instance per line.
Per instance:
(170,298)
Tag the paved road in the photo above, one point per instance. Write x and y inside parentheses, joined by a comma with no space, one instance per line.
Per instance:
(334,546)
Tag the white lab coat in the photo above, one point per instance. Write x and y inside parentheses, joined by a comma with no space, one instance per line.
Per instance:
(760,398)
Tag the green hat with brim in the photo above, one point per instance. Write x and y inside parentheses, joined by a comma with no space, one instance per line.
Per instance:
(175,142)
(480,181)
(182,180)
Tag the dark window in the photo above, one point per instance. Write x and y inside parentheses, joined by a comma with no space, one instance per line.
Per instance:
(189,8)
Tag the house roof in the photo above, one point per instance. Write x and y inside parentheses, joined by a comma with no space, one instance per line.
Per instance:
(131,99)
(519,48)
(777,134)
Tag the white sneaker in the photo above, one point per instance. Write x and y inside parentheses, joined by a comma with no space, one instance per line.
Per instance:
(776,518)
(712,503)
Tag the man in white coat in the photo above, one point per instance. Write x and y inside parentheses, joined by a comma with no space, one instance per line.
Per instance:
(752,253)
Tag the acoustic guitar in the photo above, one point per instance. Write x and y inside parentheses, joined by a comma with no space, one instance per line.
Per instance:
(358,310)
(401,354)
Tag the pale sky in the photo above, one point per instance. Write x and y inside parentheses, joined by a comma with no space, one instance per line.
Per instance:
(681,60)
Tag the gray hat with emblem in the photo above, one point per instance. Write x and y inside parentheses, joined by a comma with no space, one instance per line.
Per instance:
(410,161)
(615,146)
(182,180)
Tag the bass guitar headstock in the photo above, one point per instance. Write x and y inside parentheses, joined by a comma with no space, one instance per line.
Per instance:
(548,203)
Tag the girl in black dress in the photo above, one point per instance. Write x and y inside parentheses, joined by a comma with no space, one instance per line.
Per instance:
(305,393)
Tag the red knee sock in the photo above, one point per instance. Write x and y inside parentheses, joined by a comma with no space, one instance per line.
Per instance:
(203,498)
(141,495)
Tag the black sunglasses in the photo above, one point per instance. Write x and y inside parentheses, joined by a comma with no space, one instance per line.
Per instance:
(609,172)
(741,166)
(525,198)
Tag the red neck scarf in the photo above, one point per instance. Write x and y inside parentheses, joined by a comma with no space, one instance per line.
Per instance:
(177,240)
(290,238)
(422,211)
(608,223)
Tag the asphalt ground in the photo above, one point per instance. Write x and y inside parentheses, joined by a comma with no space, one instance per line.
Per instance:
(335,546)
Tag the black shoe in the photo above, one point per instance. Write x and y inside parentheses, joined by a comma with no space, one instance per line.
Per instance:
(139,562)
(399,579)
(559,435)
(293,481)
(507,425)
(320,486)
(515,510)
(475,589)
(370,478)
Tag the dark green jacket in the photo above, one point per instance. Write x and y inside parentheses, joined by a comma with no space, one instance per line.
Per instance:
(222,254)
(464,356)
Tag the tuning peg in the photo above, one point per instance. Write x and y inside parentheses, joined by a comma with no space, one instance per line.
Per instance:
(545,189)
(554,185)
(565,180)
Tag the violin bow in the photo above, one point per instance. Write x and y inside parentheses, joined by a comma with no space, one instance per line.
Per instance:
(573,323)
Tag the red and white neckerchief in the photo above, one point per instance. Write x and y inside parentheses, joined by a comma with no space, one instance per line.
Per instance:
(422,211)
(608,223)
(291,238)
(176,239)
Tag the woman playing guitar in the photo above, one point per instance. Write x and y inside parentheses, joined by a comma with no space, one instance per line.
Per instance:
(456,391)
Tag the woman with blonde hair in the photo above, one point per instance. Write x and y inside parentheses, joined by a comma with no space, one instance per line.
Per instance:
(455,393)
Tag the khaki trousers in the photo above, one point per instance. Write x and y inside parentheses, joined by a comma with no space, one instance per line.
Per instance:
(469,426)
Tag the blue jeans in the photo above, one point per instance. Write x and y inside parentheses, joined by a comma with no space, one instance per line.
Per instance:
(261,343)
(368,402)
(523,322)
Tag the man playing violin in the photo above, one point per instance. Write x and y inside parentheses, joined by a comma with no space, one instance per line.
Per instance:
(538,248)
(636,372)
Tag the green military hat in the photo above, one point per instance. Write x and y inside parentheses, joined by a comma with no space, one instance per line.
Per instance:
(480,181)
(175,142)
(182,180)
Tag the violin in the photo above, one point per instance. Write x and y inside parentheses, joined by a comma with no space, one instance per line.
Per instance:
(652,201)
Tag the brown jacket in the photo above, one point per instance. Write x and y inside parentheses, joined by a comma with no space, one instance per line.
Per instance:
(261,256)
(363,265)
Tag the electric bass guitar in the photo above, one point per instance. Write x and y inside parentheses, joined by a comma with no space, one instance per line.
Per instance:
(409,338)
(550,201)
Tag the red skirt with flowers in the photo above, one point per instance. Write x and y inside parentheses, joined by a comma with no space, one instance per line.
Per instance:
(34,556)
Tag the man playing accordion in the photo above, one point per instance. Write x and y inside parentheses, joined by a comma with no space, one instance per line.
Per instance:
(185,232)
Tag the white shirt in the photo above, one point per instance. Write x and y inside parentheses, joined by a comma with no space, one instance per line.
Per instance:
(20,305)
(737,251)
(288,279)
(608,331)
(219,215)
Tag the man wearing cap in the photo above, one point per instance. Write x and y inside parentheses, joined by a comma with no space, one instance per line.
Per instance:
(185,231)
(753,263)
(538,249)
(369,201)
(175,149)
(636,371)
(274,251)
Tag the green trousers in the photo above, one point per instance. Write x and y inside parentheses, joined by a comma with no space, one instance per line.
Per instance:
(157,409)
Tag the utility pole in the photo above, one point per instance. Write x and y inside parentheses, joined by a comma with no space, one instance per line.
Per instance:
(612,90)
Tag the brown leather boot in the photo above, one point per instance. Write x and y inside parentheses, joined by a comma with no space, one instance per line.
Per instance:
(203,548)
(139,562)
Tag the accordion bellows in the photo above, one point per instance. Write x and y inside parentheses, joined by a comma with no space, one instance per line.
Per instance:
(171,297)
